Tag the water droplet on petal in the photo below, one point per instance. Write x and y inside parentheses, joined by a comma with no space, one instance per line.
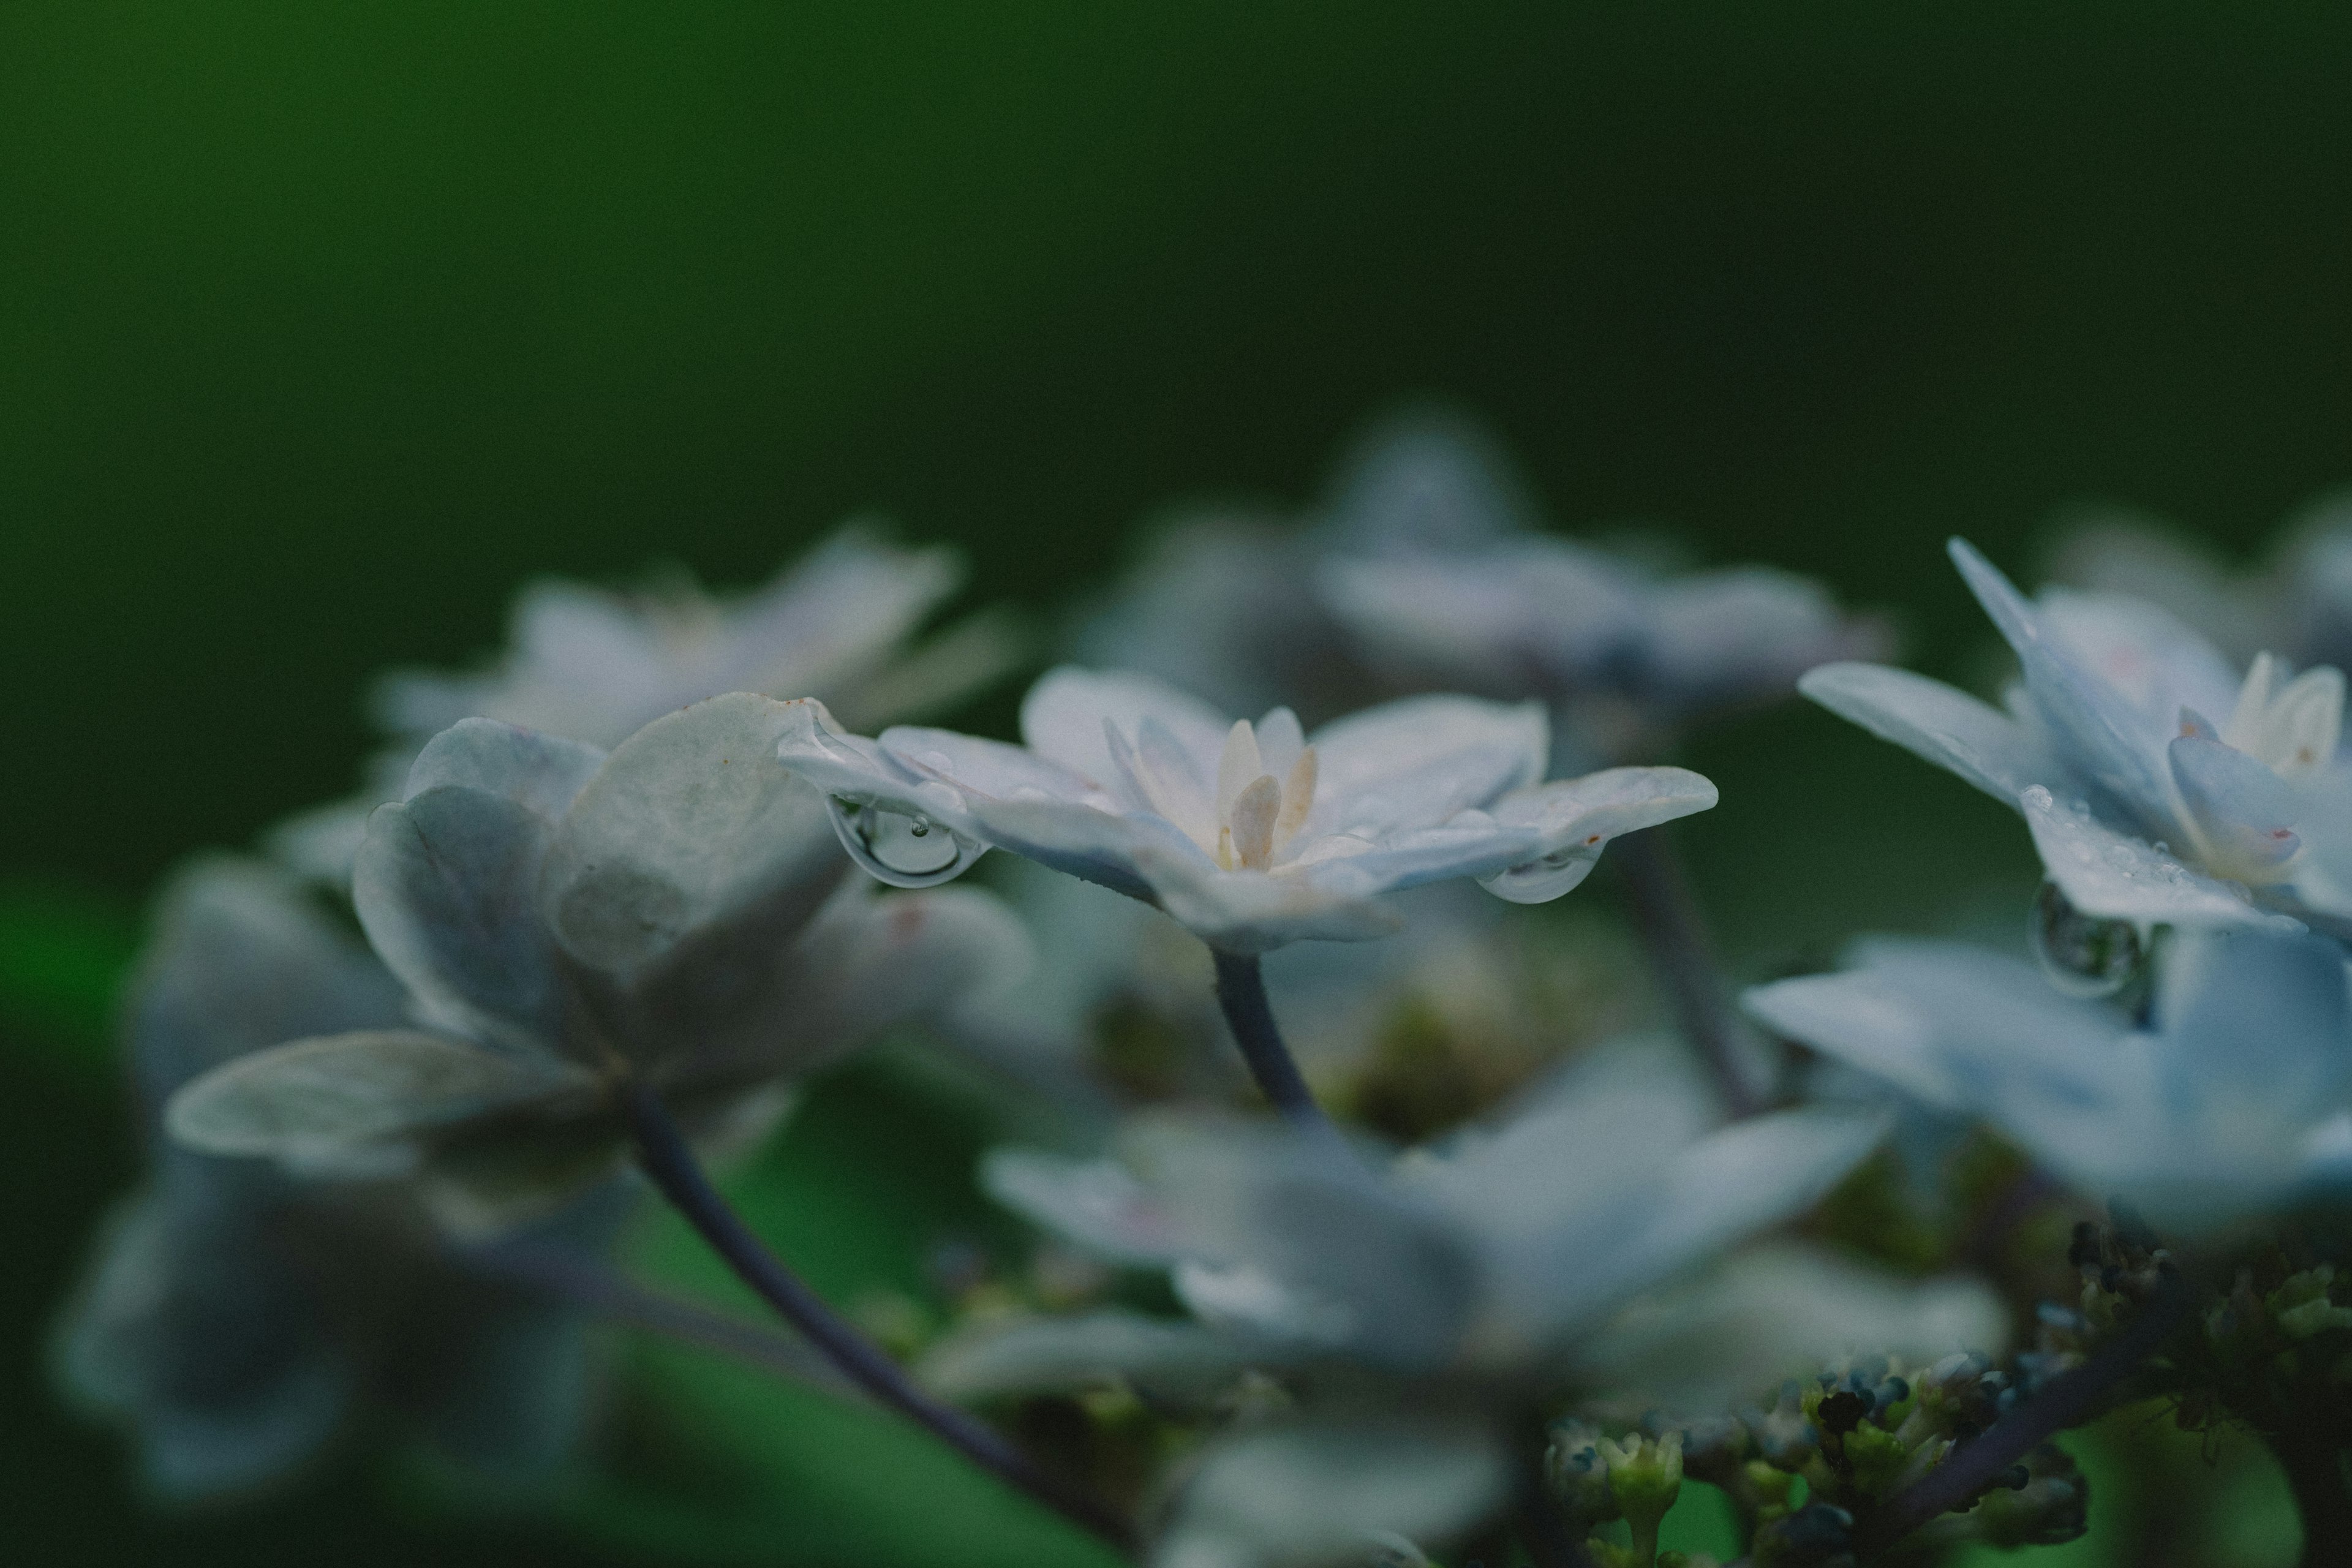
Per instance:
(2082,954)
(902,850)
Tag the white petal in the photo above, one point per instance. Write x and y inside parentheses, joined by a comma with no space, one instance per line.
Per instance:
(1778,1311)
(1318,1494)
(1070,1355)
(1097,1204)
(1251,912)
(1943,724)
(2117,877)
(1062,717)
(690,823)
(1575,819)
(447,887)
(542,772)
(1416,761)
(312,1101)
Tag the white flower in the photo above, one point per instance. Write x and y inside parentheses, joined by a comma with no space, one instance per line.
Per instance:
(1251,835)
(2143,807)
(561,917)
(586,664)
(2235,1096)
(1533,615)
(1418,1313)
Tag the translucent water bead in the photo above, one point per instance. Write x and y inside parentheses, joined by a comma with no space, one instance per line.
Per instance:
(2082,954)
(902,850)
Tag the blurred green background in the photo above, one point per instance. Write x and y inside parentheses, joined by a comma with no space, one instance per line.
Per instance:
(322,326)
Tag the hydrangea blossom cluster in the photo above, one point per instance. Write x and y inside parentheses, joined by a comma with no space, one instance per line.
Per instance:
(1541,1240)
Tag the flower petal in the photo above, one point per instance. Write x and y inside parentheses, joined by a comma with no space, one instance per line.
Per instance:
(445,884)
(1062,719)
(1325,1493)
(542,772)
(1575,819)
(319,1103)
(688,825)
(1417,761)
(1071,1356)
(1251,912)
(2117,876)
(1939,723)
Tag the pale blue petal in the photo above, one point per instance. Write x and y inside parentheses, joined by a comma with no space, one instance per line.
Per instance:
(2117,876)
(1071,1356)
(1327,1494)
(689,825)
(2242,809)
(535,769)
(2106,739)
(241,960)
(447,887)
(1941,723)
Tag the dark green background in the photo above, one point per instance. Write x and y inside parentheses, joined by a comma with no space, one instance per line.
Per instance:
(322,325)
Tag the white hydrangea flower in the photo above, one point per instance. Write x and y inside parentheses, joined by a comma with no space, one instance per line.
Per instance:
(2144,807)
(1418,1313)
(2232,1098)
(1252,835)
(587,664)
(564,918)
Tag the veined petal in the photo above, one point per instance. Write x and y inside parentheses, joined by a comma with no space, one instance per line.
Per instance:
(445,884)
(1939,723)
(2117,876)
(312,1102)
(688,825)
(1062,719)
(1082,841)
(542,772)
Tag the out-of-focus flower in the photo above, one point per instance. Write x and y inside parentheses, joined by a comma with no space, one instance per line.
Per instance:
(2234,1097)
(1250,835)
(1532,616)
(1418,1310)
(1223,603)
(235,1320)
(589,665)
(2297,602)
(563,920)
(2144,809)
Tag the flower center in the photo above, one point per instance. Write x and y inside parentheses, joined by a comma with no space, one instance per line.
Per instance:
(2293,728)
(1255,814)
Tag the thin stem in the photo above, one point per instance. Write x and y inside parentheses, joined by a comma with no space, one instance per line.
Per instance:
(663,1152)
(1674,930)
(1241,991)
(563,1275)
(2067,1400)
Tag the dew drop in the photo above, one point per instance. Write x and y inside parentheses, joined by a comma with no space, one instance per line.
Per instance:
(902,850)
(2082,954)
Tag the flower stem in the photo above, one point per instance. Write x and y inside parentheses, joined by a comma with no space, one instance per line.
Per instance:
(2067,1400)
(671,1165)
(1241,991)
(1674,930)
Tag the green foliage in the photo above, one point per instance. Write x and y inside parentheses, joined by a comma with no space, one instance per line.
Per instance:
(63,954)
